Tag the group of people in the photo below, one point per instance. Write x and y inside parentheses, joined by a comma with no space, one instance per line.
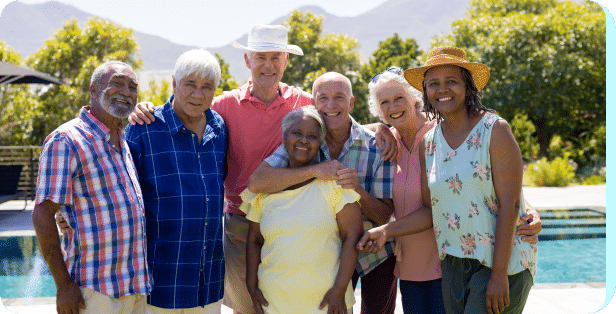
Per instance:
(259,198)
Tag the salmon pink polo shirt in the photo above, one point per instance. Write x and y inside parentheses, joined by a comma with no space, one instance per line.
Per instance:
(254,133)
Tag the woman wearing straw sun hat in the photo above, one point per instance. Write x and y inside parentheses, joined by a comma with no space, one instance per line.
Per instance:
(471,187)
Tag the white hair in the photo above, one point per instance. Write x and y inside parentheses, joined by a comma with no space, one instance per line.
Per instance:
(198,61)
(391,78)
(102,69)
(306,111)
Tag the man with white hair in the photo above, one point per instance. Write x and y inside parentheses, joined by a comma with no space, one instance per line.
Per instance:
(87,174)
(180,162)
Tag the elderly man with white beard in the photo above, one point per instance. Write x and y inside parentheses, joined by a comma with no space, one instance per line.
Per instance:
(86,173)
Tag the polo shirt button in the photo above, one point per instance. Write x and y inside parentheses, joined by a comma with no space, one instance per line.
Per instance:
(204,247)
(206,223)
(202,177)
(198,156)
(193,135)
(207,200)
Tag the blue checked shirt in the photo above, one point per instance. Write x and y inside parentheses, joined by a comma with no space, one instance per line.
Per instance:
(375,174)
(182,184)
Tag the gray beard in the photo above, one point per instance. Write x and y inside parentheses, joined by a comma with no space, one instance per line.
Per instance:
(116,111)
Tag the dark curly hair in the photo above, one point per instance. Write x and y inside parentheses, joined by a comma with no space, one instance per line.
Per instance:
(472,99)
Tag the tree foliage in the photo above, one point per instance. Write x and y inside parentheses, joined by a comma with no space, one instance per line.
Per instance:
(159,93)
(156,93)
(227,82)
(72,53)
(8,54)
(546,60)
(324,53)
(15,100)
(393,51)
(304,30)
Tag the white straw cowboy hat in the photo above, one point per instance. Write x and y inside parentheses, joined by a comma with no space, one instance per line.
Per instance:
(448,56)
(269,38)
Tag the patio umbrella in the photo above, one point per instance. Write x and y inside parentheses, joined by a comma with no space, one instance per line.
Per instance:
(13,74)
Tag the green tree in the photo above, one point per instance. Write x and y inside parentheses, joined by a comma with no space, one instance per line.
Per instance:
(15,103)
(8,54)
(227,82)
(72,53)
(546,60)
(393,51)
(324,53)
(304,30)
(156,93)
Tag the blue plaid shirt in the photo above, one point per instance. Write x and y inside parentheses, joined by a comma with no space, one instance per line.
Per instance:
(375,174)
(182,184)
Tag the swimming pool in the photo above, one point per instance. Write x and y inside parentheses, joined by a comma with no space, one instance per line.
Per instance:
(23,272)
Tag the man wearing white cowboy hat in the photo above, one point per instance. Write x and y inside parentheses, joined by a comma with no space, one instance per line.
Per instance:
(253,114)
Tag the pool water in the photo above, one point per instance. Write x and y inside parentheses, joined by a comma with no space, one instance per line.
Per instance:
(23,272)
(580,260)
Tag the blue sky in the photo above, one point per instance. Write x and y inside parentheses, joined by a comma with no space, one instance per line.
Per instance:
(204,23)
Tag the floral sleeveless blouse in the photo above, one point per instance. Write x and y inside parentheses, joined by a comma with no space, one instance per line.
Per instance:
(464,202)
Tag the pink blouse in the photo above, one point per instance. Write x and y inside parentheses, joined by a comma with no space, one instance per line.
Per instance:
(416,255)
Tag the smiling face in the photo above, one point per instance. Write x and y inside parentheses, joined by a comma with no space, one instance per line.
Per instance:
(192,96)
(445,89)
(266,68)
(396,106)
(119,94)
(333,99)
(302,142)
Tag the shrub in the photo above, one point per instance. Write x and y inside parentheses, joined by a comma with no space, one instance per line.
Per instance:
(594,180)
(594,172)
(524,132)
(558,172)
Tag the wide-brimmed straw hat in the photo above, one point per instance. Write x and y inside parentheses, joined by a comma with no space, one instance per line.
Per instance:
(448,56)
(265,38)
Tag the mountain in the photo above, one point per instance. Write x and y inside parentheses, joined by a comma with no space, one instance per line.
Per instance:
(26,27)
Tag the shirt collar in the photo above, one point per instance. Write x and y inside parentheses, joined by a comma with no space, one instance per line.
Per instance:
(357,136)
(174,123)
(96,125)
(358,132)
(171,119)
(246,92)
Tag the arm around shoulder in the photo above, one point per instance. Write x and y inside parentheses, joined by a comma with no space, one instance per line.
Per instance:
(268,179)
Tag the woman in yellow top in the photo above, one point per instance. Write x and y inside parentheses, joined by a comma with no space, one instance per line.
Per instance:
(301,241)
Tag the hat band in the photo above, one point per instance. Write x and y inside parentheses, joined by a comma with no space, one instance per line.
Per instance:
(440,59)
(265,45)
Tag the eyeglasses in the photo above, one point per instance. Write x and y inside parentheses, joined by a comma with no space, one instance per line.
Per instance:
(392,69)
